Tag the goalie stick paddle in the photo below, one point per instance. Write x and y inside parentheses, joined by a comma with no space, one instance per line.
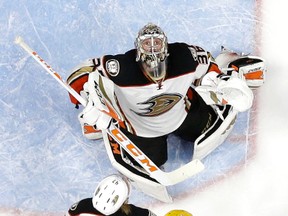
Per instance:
(164,178)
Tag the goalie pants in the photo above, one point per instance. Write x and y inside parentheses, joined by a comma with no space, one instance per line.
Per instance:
(199,118)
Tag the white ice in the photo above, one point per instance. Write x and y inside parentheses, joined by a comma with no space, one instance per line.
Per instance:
(46,164)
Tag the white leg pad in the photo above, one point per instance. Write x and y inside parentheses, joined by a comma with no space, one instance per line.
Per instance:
(144,185)
(204,147)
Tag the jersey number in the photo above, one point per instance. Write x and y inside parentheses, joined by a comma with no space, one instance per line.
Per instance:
(199,54)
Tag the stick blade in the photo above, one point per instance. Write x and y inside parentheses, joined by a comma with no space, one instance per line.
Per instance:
(182,173)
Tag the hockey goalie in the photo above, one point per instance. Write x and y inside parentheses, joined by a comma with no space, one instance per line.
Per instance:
(160,88)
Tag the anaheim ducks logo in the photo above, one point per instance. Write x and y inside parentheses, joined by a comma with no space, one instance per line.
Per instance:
(159,104)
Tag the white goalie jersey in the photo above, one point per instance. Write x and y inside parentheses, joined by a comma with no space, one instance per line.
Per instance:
(150,109)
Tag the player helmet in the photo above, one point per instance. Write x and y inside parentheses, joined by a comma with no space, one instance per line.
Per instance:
(152,51)
(111,193)
(178,213)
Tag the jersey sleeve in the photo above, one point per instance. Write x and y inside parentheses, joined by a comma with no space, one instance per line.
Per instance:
(205,61)
(212,74)
(213,67)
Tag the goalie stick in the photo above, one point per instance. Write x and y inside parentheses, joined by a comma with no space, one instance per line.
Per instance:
(164,178)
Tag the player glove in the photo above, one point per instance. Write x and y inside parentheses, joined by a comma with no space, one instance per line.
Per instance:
(223,89)
(235,92)
(252,69)
(93,116)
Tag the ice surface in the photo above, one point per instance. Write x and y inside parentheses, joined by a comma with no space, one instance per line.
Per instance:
(46,164)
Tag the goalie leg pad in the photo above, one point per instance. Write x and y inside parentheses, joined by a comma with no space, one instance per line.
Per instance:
(215,135)
(143,184)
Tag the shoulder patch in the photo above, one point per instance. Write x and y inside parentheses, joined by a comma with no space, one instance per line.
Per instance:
(113,67)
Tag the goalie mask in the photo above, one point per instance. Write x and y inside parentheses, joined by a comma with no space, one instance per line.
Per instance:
(152,51)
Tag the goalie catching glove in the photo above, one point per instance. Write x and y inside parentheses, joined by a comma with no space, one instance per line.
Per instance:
(221,90)
(252,69)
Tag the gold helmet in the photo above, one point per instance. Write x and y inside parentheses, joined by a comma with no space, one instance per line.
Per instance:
(178,213)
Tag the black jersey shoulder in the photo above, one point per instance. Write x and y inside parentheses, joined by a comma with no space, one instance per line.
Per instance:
(180,60)
(123,69)
(128,72)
